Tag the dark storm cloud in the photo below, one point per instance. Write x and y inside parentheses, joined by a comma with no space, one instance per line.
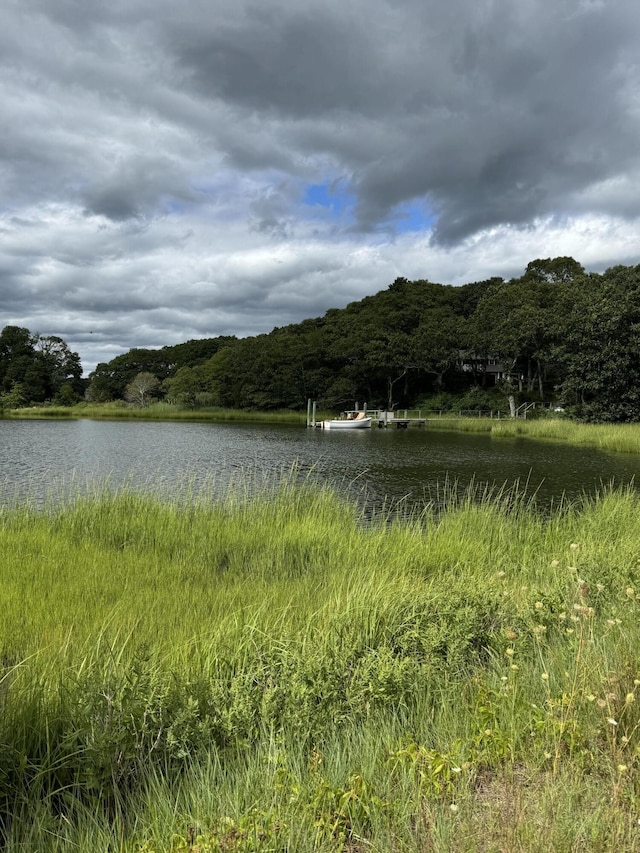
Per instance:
(297,62)
(496,112)
(155,157)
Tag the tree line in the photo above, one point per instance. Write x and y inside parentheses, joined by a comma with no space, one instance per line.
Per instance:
(37,368)
(556,334)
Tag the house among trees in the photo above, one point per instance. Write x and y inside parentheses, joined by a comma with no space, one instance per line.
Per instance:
(490,371)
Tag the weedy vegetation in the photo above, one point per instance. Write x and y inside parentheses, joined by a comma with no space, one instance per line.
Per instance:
(274,671)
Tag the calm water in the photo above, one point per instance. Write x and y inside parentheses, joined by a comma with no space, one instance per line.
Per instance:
(39,458)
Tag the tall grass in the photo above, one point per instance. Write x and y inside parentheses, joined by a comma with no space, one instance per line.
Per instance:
(272,671)
(160,411)
(620,438)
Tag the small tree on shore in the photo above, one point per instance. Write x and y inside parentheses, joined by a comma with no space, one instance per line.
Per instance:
(183,388)
(142,389)
(12,399)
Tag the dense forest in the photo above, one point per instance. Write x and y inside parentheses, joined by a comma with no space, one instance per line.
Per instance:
(557,334)
(37,368)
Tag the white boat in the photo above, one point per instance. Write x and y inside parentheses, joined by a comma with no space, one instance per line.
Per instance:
(353,420)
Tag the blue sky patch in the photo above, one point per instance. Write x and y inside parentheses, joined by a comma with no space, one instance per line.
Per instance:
(333,199)
(411,217)
(332,196)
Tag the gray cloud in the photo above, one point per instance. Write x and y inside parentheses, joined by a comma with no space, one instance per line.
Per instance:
(155,158)
(293,61)
(143,185)
(497,112)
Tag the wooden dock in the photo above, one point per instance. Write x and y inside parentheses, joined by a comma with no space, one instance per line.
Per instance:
(382,419)
(404,418)
(400,423)
(401,419)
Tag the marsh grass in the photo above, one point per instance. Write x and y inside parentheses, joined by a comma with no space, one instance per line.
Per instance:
(618,438)
(274,670)
(159,411)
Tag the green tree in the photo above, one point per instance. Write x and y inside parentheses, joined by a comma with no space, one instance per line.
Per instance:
(12,399)
(183,387)
(16,354)
(598,345)
(61,365)
(437,343)
(562,270)
(39,364)
(110,379)
(514,322)
(66,396)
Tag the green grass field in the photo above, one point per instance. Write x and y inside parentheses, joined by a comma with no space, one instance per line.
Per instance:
(277,673)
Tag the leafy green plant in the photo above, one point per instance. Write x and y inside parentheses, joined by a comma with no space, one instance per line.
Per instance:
(438,774)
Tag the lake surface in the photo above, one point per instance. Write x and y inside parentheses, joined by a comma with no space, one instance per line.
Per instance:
(384,467)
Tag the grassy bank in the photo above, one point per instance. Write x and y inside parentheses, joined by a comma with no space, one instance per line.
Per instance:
(270,673)
(618,438)
(156,411)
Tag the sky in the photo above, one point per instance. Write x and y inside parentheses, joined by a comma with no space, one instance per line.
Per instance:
(171,171)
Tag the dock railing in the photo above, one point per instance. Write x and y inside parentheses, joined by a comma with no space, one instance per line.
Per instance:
(404,417)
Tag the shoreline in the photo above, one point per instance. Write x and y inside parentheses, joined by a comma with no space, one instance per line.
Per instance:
(617,438)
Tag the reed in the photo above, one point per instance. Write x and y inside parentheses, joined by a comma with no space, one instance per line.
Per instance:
(275,670)
(617,438)
(157,411)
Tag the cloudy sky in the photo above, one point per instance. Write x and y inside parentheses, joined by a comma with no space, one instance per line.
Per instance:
(181,170)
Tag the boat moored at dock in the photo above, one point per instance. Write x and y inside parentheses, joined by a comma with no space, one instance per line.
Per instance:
(352,420)
(364,418)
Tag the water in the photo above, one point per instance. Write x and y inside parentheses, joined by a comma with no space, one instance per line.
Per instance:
(387,467)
